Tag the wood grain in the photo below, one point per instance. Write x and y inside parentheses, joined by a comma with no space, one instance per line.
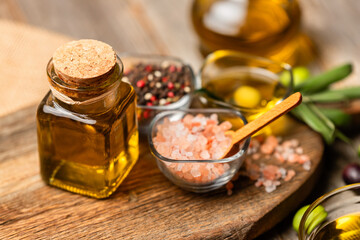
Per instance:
(146,206)
(163,26)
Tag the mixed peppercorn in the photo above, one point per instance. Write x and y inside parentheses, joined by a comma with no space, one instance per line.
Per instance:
(159,84)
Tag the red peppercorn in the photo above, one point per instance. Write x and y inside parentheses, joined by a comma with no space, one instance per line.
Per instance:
(146,114)
(140,83)
(170,94)
(170,85)
(148,68)
(153,98)
(172,68)
(164,79)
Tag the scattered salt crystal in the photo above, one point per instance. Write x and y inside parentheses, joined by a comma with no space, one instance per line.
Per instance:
(258,183)
(256,156)
(286,144)
(290,174)
(304,158)
(279,148)
(277,183)
(288,151)
(299,150)
(295,142)
(283,172)
(307,165)
(267,183)
(270,188)
(279,157)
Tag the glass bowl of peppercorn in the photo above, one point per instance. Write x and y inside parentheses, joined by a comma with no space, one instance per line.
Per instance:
(161,83)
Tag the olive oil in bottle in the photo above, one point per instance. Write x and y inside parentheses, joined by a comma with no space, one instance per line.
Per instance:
(343,228)
(268,28)
(87,127)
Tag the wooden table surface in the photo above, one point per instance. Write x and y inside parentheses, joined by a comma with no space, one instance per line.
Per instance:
(163,26)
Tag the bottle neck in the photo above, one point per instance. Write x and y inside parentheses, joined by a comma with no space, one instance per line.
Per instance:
(97,104)
(89,99)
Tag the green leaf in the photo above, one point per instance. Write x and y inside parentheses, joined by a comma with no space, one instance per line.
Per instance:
(349,92)
(322,81)
(342,136)
(308,113)
(327,96)
(337,116)
(336,95)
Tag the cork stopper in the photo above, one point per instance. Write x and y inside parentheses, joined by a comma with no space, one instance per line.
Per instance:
(84,62)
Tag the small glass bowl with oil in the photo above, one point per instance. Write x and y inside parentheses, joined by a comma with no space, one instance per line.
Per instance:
(339,219)
(244,82)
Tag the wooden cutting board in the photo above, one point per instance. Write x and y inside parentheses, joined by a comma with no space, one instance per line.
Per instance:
(146,205)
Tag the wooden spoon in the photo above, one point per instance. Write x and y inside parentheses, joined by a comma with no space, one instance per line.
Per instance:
(274,113)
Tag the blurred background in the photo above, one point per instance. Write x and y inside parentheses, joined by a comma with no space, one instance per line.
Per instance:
(160,27)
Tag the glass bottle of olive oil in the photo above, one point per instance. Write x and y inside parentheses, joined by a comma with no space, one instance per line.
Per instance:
(268,28)
(86,125)
(346,228)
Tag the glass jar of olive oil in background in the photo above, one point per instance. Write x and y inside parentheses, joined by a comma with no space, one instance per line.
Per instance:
(268,28)
(245,82)
(87,127)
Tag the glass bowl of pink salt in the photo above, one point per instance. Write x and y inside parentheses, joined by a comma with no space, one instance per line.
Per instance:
(188,146)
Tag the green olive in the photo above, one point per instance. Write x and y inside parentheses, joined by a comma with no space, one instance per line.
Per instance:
(317,216)
(300,74)
(247,96)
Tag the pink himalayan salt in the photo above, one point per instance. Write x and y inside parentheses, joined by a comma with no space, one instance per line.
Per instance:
(269,176)
(199,138)
(269,145)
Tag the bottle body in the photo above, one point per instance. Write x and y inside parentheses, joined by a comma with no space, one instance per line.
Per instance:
(268,28)
(88,151)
